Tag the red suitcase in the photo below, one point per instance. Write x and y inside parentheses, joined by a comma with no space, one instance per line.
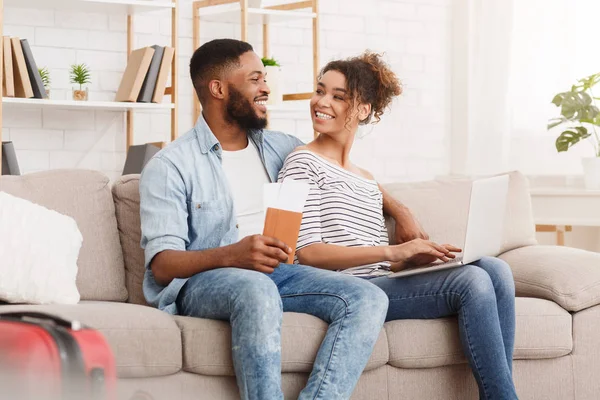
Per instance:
(45,357)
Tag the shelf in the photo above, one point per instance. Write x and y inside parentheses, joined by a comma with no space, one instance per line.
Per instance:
(231,13)
(106,6)
(10,102)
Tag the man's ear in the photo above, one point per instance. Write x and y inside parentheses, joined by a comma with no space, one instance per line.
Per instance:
(364,110)
(217,89)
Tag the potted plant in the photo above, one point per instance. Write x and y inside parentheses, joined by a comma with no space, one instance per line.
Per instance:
(274,80)
(580,120)
(80,74)
(45,75)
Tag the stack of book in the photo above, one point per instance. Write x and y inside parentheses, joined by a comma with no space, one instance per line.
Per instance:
(21,77)
(146,75)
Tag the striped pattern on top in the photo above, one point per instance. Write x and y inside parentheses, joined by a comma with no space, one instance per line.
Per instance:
(342,208)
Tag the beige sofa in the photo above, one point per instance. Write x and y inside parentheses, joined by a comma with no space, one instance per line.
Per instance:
(557,346)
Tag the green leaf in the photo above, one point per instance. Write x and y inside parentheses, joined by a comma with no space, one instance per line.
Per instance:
(80,74)
(571,137)
(270,62)
(558,99)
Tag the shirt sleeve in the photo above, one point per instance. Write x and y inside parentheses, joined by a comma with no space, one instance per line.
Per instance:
(163,209)
(298,168)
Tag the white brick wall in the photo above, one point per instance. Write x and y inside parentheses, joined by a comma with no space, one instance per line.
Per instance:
(411,142)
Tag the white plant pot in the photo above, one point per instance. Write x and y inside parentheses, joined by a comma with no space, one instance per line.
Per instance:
(275,82)
(591,170)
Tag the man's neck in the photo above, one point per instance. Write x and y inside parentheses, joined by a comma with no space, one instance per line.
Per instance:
(231,136)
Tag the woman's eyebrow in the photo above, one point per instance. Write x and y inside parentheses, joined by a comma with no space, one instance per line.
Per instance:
(336,89)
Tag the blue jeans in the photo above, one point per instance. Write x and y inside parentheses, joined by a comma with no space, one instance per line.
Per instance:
(483,296)
(253,302)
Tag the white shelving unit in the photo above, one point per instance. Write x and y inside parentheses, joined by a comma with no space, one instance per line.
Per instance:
(107,6)
(231,13)
(128,8)
(15,102)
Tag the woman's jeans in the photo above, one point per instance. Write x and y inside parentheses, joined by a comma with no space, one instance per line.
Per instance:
(483,296)
(253,302)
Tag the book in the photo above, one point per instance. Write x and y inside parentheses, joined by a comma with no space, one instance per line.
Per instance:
(39,91)
(285,226)
(133,77)
(22,83)
(147,90)
(163,74)
(8,81)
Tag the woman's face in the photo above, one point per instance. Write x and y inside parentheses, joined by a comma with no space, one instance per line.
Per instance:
(329,105)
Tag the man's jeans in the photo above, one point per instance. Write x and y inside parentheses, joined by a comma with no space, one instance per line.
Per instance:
(254,302)
(483,296)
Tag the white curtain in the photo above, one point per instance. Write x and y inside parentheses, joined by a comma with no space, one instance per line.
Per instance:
(519,54)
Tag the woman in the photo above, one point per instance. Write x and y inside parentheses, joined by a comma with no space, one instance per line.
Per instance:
(343,228)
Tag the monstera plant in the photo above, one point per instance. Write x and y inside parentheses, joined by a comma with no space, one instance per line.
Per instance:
(579,115)
(580,120)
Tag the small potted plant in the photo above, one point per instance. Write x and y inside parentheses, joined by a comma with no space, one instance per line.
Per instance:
(274,80)
(80,74)
(580,120)
(45,75)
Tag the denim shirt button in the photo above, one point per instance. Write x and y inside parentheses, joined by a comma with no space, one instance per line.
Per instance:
(216,147)
(198,205)
(237,226)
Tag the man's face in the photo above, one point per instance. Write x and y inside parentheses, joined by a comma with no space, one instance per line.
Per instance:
(248,93)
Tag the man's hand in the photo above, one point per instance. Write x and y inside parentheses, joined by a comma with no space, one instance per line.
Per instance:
(408,228)
(259,253)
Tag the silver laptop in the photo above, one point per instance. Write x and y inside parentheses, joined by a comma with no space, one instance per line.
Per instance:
(485,226)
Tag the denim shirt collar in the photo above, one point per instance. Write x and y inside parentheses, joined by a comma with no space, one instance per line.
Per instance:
(208,141)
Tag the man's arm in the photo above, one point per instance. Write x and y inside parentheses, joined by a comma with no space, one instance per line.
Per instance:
(259,253)
(407,227)
(164,216)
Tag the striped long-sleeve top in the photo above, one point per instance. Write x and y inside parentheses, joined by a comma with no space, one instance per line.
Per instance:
(342,208)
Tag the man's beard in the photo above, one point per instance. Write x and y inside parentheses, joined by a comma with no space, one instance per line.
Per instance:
(240,111)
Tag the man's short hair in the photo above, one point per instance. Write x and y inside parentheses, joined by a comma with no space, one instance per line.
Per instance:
(213,59)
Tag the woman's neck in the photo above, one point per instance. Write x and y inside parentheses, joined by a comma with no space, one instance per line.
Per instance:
(335,147)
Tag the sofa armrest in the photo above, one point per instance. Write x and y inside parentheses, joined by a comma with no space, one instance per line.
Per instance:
(569,277)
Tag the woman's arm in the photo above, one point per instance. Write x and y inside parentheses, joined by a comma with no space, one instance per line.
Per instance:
(335,257)
(417,252)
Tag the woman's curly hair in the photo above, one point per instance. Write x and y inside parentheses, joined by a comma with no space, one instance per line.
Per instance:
(369,80)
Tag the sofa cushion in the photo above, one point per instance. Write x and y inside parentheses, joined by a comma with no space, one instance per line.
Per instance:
(146,342)
(207,345)
(85,196)
(543,330)
(126,194)
(570,277)
(442,208)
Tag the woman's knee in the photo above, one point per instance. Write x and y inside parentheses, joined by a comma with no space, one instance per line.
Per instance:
(368,300)
(500,273)
(476,284)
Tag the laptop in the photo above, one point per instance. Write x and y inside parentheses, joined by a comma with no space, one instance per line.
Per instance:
(485,226)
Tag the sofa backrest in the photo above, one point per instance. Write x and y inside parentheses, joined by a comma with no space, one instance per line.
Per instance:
(85,196)
(126,195)
(442,207)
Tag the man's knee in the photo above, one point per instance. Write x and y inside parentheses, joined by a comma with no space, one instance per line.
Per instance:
(257,293)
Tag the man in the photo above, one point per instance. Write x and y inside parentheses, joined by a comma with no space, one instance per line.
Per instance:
(201,207)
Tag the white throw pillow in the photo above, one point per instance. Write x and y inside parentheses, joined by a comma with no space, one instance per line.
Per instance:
(38,253)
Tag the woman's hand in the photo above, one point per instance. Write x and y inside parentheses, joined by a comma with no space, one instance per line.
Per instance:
(418,253)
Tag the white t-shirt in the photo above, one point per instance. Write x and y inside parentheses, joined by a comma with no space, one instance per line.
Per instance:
(246,175)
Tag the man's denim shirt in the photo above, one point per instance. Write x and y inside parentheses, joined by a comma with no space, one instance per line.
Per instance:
(186,203)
